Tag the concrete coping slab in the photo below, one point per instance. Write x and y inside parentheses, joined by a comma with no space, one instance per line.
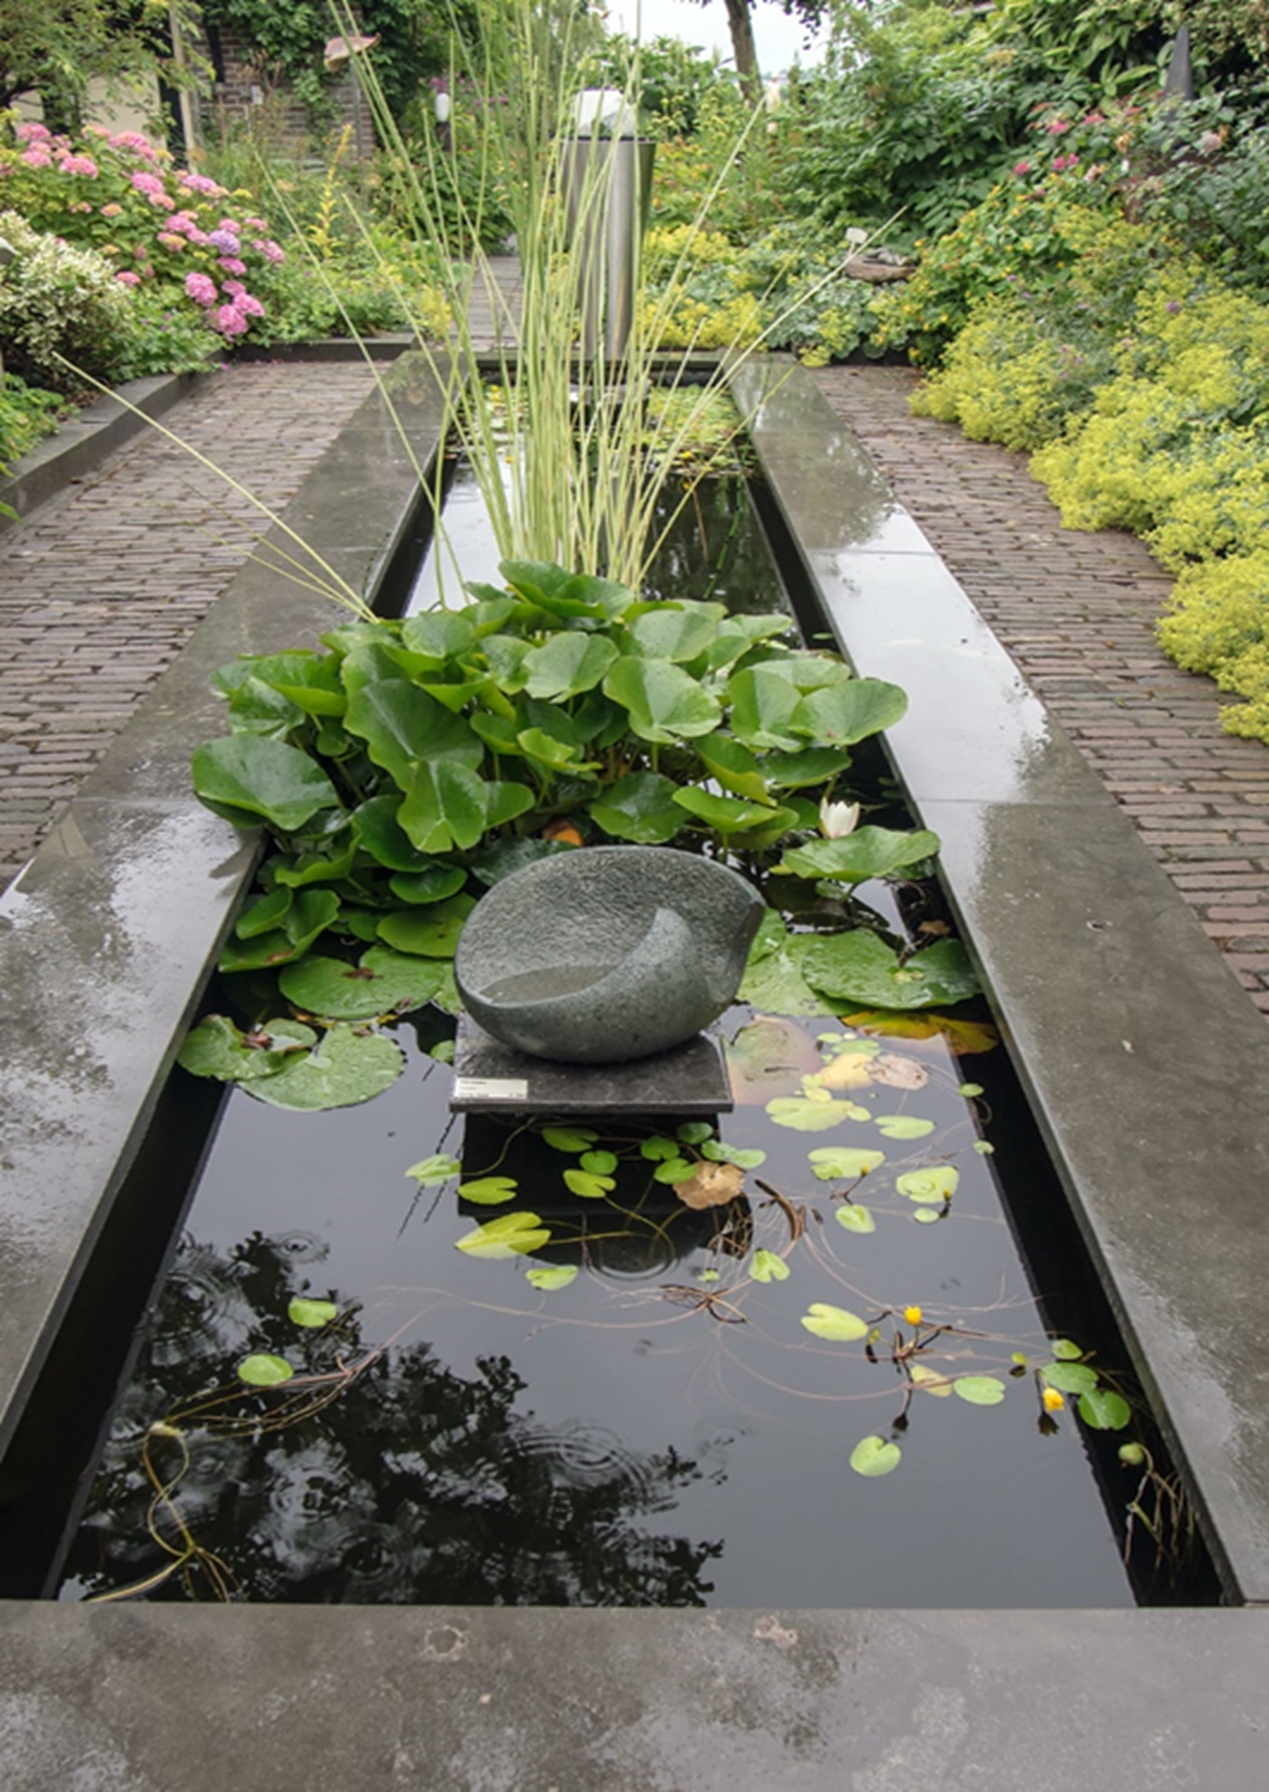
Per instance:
(1145,1064)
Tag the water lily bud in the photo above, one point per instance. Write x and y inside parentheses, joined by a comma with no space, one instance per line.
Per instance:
(838,819)
(1131,1455)
(1053,1401)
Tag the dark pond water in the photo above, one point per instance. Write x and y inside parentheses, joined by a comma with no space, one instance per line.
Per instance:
(628,1412)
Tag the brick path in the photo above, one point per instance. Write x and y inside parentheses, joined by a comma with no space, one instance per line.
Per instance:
(100,587)
(1077,613)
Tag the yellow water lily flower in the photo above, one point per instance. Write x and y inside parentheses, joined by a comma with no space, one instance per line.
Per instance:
(912,1315)
(1053,1401)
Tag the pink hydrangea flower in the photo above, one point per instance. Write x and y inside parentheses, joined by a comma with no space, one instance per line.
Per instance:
(200,183)
(126,277)
(249,305)
(198,237)
(231,264)
(79,165)
(149,184)
(230,321)
(232,287)
(1057,127)
(170,240)
(1021,168)
(269,249)
(31,132)
(134,141)
(112,210)
(36,156)
(201,288)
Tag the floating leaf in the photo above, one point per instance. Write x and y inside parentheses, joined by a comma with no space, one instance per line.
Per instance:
(553,1275)
(313,1313)
(979,1390)
(927,1215)
(866,853)
(510,1235)
(835,1163)
(489,1191)
(721,1153)
(773,978)
(1065,1351)
(938,1183)
(903,1126)
(709,1185)
(768,1267)
(733,766)
(264,1371)
(599,1163)
(310,914)
(431,1172)
(433,884)
(384,981)
(965,1037)
(219,1049)
(659,1149)
(835,1323)
(874,1456)
(847,1070)
(984,1148)
(587,1185)
(343,1069)
(855,1217)
(970,1089)
(694,1132)
(569,1138)
(858,966)
(804,1114)
(1105,1410)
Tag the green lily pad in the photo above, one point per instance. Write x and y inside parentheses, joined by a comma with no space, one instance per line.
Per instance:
(834,1163)
(489,1191)
(979,1390)
(859,967)
(264,1371)
(928,1187)
(1105,1410)
(834,1323)
(868,852)
(384,981)
(875,1456)
(903,1126)
(431,1172)
(570,1138)
(803,1114)
(219,1049)
(567,664)
(855,1217)
(1070,1378)
(510,1235)
(312,1313)
(842,713)
(552,1275)
(432,884)
(664,702)
(343,1069)
(767,1266)
(588,1185)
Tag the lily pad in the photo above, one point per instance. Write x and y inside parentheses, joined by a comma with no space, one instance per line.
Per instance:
(384,981)
(665,703)
(311,1313)
(430,932)
(510,1235)
(588,1184)
(804,1114)
(855,1217)
(571,1138)
(431,1172)
(639,807)
(549,1276)
(248,778)
(868,852)
(903,1126)
(979,1390)
(929,1187)
(835,1323)
(264,1371)
(219,1049)
(875,1456)
(837,1163)
(344,1068)
(768,1267)
(859,967)
(1105,1410)
(489,1191)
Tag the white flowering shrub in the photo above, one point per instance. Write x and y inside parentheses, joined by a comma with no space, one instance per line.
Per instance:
(58,301)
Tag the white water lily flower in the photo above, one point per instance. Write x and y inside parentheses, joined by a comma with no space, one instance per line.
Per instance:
(838,819)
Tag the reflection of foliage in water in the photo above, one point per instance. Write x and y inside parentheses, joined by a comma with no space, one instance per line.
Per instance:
(416,1485)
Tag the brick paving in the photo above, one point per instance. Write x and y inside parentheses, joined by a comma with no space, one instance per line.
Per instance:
(101,586)
(1077,612)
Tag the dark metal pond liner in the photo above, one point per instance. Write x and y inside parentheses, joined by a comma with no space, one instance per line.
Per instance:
(1086,1329)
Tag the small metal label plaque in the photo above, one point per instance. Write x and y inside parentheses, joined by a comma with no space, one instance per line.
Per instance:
(490,1088)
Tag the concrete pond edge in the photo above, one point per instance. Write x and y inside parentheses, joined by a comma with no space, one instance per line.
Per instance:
(1148,1070)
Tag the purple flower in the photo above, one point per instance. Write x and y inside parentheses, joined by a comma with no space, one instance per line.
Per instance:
(224,240)
(1172,307)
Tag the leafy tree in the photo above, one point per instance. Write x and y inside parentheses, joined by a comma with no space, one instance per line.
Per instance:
(56,47)
(740,24)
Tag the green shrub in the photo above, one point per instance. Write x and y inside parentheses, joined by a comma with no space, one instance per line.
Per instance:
(27,413)
(1217,622)
(59,301)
